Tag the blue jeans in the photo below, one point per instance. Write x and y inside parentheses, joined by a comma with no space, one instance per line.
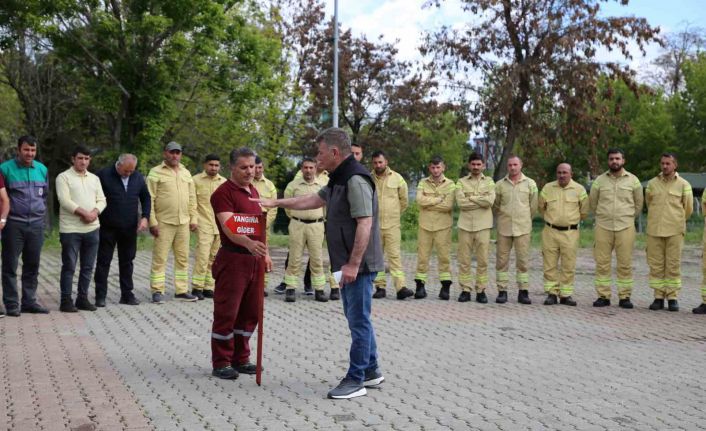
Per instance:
(74,245)
(357,298)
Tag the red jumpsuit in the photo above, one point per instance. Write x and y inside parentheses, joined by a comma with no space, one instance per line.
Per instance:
(236,272)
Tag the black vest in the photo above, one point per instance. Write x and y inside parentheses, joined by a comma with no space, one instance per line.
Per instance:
(341,227)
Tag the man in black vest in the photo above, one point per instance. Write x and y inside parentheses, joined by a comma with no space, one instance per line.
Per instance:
(120,222)
(355,250)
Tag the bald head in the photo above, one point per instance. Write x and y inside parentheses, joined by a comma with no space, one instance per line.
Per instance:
(563,174)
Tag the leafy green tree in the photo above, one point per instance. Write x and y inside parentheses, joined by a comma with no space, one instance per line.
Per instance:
(538,59)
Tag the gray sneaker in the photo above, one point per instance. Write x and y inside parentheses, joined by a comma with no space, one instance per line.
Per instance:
(280,289)
(157,298)
(186,297)
(348,388)
(373,378)
(308,290)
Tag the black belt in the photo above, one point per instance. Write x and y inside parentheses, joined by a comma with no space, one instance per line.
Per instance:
(236,249)
(572,227)
(318,220)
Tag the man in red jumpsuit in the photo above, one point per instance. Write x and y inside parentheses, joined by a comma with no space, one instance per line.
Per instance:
(237,269)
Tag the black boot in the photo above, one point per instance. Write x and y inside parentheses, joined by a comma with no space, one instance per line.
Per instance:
(657,304)
(523,297)
(672,305)
(625,303)
(404,293)
(320,296)
(551,300)
(502,297)
(701,309)
(420,292)
(481,297)
(445,290)
(465,296)
(335,294)
(601,302)
(379,293)
(567,300)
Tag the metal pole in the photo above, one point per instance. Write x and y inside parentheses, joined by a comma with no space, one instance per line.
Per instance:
(335,63)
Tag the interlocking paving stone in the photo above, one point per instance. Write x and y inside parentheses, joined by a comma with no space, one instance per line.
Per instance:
(447,365)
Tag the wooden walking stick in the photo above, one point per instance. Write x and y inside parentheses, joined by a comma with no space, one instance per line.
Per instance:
(260,303)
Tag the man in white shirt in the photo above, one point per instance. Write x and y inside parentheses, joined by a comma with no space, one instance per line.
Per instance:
(81,200)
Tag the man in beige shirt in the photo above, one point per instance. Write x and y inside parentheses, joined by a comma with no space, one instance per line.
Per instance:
(435,198)
(172,219)
(475,195)
(670,202)
(515,204)
(81,200)
(306,230)
(392,201)
(208,238)
(615,199)
(563,203)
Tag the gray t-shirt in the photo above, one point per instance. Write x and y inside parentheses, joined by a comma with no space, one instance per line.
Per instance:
(360,196)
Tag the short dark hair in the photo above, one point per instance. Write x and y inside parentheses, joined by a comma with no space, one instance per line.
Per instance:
(436,160)
(514,156)
(615,151)
(669,154)
(258,160)
(80,149)
(335,137)
(27,139)
(379,153)
(475,156)
(238,153)
(355,144)
(212,157)
(307,159)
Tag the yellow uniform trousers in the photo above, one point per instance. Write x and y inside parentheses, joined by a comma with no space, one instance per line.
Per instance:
(605,241)
(428,240)
(391,239)
(664,260)
(504,245)
(175,238)
(473,244)
(311,236)
(559,245)
(206,248)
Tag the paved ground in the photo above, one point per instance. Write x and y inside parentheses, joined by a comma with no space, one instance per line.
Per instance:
(448,365)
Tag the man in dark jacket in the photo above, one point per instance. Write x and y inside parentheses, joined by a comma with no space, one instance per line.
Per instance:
(124,188)
(355,250)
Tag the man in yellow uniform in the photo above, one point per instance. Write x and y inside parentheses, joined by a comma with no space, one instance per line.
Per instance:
(392,201)
(475,195)
(670,203)
(267,190)
(306,229)
(173,216)
(435,198)
(209,241)
(515,204)
(321,178)
(615,199)
(563,203)
(701,309)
